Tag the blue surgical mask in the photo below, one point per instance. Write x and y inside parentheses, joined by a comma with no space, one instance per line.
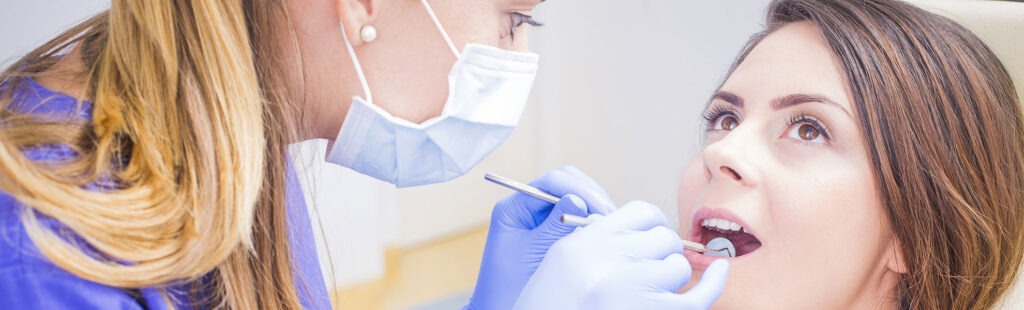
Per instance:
(487,92)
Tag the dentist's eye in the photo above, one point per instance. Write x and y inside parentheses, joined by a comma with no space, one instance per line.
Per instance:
(808,129)
(719,118)
(517,19)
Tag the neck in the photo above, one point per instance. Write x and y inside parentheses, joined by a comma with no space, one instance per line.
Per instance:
(321,77)
(66,76)
(878,293)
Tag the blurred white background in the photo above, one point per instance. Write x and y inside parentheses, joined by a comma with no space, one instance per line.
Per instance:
(26,24)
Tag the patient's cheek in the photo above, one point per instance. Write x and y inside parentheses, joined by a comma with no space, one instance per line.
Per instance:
(693,181)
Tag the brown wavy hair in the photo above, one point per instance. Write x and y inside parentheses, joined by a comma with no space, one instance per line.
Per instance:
(945,137)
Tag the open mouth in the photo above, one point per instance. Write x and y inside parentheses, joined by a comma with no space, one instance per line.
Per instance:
(743,242)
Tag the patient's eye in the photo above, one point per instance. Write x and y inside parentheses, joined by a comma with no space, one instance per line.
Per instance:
(808,129)
(727,122)
(719,118)
(808,132)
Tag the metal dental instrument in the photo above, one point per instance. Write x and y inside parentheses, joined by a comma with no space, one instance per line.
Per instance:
(687,244)
(573,219)
(521,187)
(725,244)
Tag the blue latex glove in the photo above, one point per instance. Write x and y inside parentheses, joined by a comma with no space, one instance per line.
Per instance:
(523,228)
(628,259)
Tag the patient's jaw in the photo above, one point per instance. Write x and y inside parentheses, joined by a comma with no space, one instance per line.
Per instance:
(785,156)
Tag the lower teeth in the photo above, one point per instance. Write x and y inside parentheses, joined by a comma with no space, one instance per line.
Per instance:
(720,247)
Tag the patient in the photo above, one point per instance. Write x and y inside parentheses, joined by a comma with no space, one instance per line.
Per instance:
(861,154)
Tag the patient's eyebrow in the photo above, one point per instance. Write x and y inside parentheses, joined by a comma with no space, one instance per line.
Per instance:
(728,97)
(780,102)
(796,99)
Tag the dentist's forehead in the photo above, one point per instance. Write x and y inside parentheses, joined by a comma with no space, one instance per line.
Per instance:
(793,59)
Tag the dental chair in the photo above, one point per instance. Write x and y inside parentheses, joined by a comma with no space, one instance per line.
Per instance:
(1001,25)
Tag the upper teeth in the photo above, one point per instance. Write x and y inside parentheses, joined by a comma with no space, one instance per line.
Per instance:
(721,224)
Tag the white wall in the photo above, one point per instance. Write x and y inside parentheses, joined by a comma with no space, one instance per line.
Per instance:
(26,24)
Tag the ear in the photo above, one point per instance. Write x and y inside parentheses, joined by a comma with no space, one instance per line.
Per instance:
(895,263)
(354,14)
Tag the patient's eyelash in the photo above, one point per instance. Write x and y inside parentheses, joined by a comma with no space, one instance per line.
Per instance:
(714,113)
(804,118)
(517,19)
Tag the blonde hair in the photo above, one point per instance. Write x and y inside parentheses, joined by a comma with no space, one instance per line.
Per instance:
(184,123)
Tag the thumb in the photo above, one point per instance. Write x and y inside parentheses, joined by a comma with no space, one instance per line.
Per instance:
(569,204)
(707,291)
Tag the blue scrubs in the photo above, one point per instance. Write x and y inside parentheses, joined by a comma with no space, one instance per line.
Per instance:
(28,280)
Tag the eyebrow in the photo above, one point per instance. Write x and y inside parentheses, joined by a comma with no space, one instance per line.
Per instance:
(781,102)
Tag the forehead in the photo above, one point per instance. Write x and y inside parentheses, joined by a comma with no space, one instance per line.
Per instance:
(525,5)
(793,59)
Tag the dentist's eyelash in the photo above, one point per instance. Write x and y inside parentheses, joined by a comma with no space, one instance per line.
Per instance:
(805,119)
(517,19)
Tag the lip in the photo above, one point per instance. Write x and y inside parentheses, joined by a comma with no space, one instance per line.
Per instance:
(700,261)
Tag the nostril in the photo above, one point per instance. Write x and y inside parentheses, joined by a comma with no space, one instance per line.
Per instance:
(731,173)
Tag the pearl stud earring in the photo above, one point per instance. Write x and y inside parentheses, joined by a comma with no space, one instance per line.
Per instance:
(368,33)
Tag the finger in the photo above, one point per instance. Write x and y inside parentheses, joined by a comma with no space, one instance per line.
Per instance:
(603,203)
(562,182)
(636,216)
(603,208)
(521,211)
(707,291)
(657,243)
(553,225)
(667,275)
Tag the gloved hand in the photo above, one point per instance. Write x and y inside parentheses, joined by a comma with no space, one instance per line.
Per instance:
(627,260)
(523,228)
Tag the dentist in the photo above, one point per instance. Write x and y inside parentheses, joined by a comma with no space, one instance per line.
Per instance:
(144,168)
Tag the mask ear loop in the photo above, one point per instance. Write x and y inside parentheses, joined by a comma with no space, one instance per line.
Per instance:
(355,63)
(444,33)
